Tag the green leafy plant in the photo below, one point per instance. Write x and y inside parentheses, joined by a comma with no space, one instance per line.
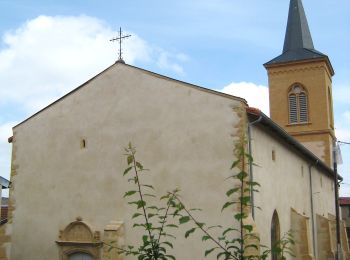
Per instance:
(237,242)
(156,240)
(240,243)
(281,248)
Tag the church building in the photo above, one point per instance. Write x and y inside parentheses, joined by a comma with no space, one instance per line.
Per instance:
(68,159)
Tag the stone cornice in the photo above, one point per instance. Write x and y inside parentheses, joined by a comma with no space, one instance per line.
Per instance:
(299,66)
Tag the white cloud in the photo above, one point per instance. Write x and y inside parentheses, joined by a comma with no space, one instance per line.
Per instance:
(171,61)
(256,95)
(48,56)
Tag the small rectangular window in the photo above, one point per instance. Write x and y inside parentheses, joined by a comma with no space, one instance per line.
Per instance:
(83,143)
(273,155)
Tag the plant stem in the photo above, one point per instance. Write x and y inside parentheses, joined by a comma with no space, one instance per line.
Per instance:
(203,230)
(143,208)
(164,219)
(241,205)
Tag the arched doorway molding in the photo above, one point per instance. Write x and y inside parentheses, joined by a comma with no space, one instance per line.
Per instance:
(78,237)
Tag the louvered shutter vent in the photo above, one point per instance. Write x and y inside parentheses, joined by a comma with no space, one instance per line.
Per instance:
(303,107)
(293,113)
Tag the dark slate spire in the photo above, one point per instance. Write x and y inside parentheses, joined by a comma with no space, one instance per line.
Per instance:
(297,34)
(298,43)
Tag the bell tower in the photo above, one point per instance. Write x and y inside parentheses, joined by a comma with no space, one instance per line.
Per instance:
(300,87)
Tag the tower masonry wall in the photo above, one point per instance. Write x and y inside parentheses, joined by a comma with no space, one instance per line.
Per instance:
(315,77)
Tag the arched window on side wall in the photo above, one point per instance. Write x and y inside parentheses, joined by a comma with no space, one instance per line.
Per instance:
(298,105)
(275,233)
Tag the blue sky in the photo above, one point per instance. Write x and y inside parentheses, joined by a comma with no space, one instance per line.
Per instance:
(47,48)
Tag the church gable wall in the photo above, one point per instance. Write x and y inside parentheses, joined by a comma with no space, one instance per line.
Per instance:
(69,158)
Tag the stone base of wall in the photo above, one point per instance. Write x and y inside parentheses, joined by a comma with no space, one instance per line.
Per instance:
(113,236)
(3,239)
(301,233)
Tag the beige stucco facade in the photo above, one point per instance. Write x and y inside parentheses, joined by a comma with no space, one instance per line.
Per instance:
(288,184)
(184,134)
(68,161)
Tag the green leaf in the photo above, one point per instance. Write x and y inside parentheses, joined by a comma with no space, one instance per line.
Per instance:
(145,239)
(127,170)
(141,257)
(231,191)
(170,256)
(184,219)
(250,158)
(199,224)
(129,193)
(130,159)
(141,203)
(136,215)
(253,183)
(188,232)
(139,165)
(172,225)
(234,164)
(248,227)
(225,254)
(148,186)
(239,216)
(169,235)
(168,243)
(229,230)
(149,195)
(164,197)
(148,226)
(151,215)
(226,205)
(195,209)
(204,238)
(221,238)
(242,175)
(245,200)
(207,252)
(216,226)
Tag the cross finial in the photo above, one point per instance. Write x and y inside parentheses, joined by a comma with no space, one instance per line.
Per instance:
(119,38)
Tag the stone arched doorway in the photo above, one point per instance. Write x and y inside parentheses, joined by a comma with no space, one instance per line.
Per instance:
(78,242)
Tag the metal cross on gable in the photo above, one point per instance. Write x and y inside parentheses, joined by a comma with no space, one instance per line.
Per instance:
(119,38)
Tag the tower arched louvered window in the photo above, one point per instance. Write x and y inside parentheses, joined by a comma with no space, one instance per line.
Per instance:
(298,105)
